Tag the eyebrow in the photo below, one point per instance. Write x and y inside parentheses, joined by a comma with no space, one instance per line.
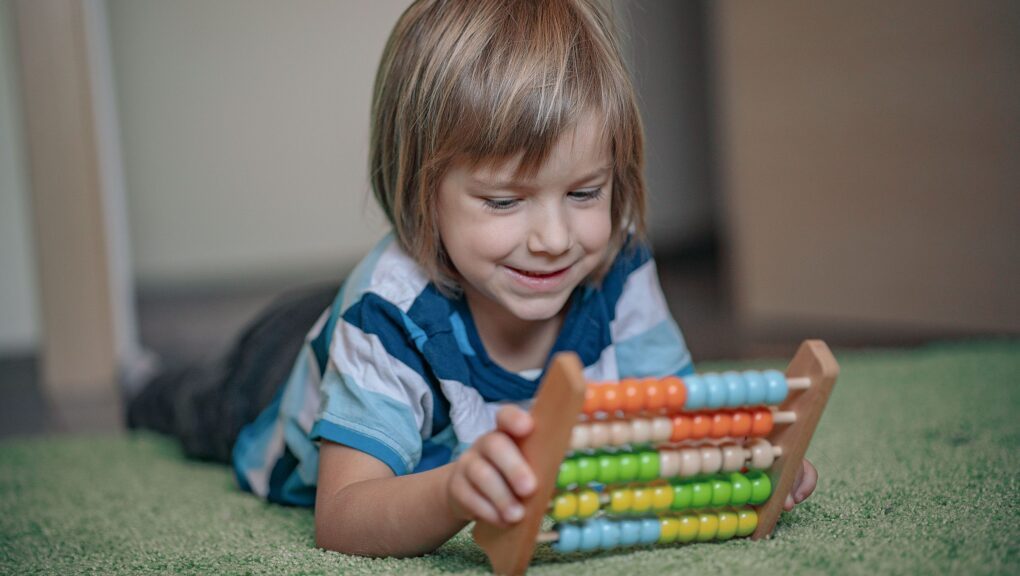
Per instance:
(514,184)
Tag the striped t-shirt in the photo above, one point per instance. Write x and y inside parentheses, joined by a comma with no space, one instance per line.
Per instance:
(397,370)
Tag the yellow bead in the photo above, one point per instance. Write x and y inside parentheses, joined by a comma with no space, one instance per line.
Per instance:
(688,528)
(587,503)
(709,526)
(747,521)
(662,498)
(727,525)
(564,506)
(642,500)
(669,530)
(621,500)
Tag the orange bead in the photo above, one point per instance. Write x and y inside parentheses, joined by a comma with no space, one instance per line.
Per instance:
(722,423)
(633,395)
(609,397)
(681,428)
(701,425)
(761,424)
(676,393)
(741,423)
(591,399)
(655,395)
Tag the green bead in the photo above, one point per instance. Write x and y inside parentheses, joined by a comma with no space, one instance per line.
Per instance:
(587,469)
(701,494)
(567,475)
(648,466)
(761,487)
(740,489)
(721,491)
(683,495)
(609,469)
(628,467)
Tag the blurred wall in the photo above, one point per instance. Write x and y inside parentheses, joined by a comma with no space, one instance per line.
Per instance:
(870,162)
(19,319)
(665,46)
(245,129)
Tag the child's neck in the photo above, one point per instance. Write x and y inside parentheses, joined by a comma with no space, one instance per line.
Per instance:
(513,343)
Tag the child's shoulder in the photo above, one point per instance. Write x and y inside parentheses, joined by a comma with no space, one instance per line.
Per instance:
(388,273)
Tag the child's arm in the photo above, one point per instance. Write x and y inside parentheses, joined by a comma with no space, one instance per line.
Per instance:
(362,508)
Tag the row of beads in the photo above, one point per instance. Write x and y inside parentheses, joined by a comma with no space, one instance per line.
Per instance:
(605,534)
(648,465)
(697,392)
(732,489)
(697,426)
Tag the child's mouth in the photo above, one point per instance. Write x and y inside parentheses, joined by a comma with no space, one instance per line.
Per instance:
(537,280)
(532,274)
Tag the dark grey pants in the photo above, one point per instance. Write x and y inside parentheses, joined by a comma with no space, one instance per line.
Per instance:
(206,405)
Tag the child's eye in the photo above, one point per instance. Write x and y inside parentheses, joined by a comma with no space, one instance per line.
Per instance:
(586,195)
(501,203)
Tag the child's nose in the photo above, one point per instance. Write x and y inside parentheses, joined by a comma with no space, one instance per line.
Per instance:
(550,232)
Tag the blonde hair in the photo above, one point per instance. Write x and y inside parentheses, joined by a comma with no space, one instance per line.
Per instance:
(483,81)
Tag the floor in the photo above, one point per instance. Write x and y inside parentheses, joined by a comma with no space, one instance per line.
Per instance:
(188,327)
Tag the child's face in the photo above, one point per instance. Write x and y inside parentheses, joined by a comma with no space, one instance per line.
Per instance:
(524,245)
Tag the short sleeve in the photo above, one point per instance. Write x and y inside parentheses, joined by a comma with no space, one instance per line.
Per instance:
(375,396)
(646,338)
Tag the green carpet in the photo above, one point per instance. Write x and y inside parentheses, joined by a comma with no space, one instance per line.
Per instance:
(918,456)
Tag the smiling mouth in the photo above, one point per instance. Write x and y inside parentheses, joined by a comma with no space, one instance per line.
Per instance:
(531,274)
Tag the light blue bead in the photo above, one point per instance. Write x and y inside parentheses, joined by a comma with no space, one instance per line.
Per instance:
(650,528)
(736,389)
(777,388)
(716,391)
(570,538)
(696,392)
(756,387)
(610,534)
(630,532)
(591,534)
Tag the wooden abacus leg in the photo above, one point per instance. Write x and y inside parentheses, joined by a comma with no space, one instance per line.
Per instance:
(554,411)
(814,361)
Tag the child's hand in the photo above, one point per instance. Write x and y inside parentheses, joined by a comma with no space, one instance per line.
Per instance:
(488,480)
(803,485)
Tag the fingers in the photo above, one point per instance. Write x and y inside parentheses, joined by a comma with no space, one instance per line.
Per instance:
(514,421)
(471,503)
(807,484)
(803,485)
(491,478)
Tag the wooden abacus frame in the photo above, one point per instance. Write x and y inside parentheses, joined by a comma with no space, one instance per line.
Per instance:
(555,411)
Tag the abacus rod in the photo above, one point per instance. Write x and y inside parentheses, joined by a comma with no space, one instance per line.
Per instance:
(798,383)
(547,537)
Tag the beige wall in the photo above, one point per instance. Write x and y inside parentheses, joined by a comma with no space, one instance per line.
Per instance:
(19,317)
(870,153)
(245,128)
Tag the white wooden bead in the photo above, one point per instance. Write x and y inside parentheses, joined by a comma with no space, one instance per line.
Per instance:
(619,433)
(711,459)
(690,462)
(598,434)
(662,429)
(580,437)
(640,431)
(762,455)
(732,458)
(669,464)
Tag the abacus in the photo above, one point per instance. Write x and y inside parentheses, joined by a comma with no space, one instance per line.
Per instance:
(662,460)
